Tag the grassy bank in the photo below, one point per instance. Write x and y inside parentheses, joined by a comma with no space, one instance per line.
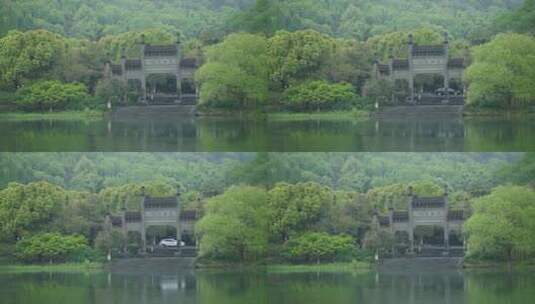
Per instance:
(500,265)
(471,112)
(66,267)
(66,115)
(285,116)
(338,115)
(355,266)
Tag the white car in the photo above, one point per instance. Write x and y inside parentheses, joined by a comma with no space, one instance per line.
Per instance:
(168,243)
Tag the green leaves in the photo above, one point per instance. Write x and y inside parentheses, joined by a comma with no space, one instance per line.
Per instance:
(294,208)
(295,56)
(502,225)
(52,95)
(235,74)
(320,246)
(235,225)
(503,73)
(28,208)
(53,247)
(26,56)
(319,95)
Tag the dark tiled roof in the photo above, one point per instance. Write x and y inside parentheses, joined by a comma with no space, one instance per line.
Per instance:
(132,64)
(132,216)
(188,63)
(456,63)
(161,50)
(116,221)
(116,69)
(455,215)
(188,215)
(383,220)
(400,216)
(400,64)
(160,202)
(383,68)
(428,50)
(428,202)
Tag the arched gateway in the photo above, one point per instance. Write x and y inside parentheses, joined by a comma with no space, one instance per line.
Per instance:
(162,212)
(430,61)
(165,61)
(426,212)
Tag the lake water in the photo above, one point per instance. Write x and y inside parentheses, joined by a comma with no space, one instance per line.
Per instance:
(190,134)
(445,286)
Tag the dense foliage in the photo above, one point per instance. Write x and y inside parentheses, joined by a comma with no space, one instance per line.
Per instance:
(290,195)
(290,43)
(319,246)
(319,95)
(502,225)
(235,225)
(236,72)
(53,248)
(503,73)
(52,95)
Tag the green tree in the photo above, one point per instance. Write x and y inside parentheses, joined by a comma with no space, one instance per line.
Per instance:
(236,72)
(395,43)
(502,225)
(395,195)
(297,56)
(52,95)
(318,246)
(296,208)
(25,209)
(521,20)
(502,74)
(319,95)
(26,56)
(235,225)
(53,248)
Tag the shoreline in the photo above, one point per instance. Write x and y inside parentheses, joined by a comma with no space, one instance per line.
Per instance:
(339,267)
(62,267)
(63,115)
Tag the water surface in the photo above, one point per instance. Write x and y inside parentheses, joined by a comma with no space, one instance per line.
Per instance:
(238,287)
(191,134)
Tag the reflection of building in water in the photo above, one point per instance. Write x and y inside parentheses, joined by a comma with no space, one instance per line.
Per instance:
(160,212)
(425,65)
(429,227)
(161,74)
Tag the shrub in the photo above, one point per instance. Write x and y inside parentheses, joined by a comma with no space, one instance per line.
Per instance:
(317,246)
(54,248)
(379,90)
(319,95)
(113,90)
(52,95)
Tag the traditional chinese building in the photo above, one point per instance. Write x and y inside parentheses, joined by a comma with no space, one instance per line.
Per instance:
(154,61)
(425,212)
(425,60)
(158,211)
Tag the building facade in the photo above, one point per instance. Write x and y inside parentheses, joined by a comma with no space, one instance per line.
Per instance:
(157,60)
(425,212)
(425,60)
(157,212)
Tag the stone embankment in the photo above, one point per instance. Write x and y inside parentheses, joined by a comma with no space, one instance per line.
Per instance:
(420,111)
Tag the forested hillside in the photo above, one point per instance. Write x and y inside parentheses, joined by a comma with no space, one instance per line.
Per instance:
(298,55)
(264,202)
(344,18)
